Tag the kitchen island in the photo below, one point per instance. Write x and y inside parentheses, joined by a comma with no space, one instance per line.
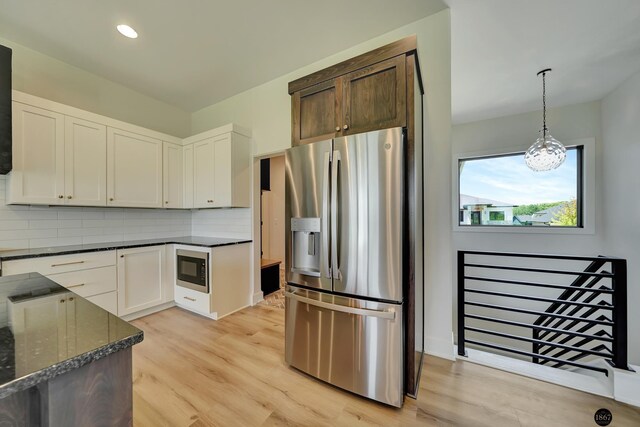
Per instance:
(63,360)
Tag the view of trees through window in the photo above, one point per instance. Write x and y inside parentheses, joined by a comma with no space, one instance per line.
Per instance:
(503,191)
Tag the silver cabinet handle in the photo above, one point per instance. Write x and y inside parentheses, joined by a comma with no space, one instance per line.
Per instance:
(69,197)
(111,199)
(337,128)
(67,263)
(324,231)
(60,196)
(382,314)
(75,286)
(335,271)
(345,127)
(190,299)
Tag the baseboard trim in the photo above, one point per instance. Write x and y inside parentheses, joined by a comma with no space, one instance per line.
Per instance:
(257,297)
(583,382)
(148,311)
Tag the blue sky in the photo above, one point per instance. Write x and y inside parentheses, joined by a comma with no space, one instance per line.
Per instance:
(508,179)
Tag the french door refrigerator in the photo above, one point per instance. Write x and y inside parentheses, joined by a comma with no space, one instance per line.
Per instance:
(344,262)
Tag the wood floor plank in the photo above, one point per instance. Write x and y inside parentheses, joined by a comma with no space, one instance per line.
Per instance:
(194,371)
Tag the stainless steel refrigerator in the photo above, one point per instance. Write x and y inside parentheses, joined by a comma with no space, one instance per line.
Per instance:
(344,262)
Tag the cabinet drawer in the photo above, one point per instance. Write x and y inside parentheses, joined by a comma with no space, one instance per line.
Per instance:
(59,264)
(193,300)
(108,301)
(87,283)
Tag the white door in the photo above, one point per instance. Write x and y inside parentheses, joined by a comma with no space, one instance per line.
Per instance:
(134,170)
(203,173)
(173,176)
(140,278)
(85,163)
(222,171)
(38,156)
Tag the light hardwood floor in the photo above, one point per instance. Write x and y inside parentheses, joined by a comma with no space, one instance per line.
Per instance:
(191,371)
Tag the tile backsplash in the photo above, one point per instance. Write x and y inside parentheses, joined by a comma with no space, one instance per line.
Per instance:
(40,226)
(234,223)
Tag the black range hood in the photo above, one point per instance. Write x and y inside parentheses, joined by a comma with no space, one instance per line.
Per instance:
(5,110)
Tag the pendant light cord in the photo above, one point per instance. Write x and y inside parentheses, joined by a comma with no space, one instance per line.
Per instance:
(544,106)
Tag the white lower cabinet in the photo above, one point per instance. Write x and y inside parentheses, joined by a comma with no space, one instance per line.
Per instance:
(108,301)
(140,278)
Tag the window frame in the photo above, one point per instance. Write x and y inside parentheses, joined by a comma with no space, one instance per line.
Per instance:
(586,191)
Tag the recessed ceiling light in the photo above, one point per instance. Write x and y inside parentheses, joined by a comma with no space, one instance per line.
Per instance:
(127,31)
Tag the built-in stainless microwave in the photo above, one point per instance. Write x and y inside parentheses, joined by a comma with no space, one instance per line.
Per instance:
(192,270)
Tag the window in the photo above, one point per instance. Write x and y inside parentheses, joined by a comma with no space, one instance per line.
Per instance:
(496,216)
(503,191)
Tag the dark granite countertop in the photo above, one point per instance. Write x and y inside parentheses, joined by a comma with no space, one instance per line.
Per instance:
(208,242)
(46,331)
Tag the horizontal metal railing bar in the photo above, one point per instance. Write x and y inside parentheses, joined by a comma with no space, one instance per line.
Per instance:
(533,298)
(582,330)
(527,353)
(573,358)
(545,328)
(559,309)
(538,285)
(537,313)
(565,348)
(562,322)
(539,270)
(546,349)
(543,256)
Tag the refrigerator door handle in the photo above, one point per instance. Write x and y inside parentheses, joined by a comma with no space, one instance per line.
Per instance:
(381,314)
(326,268)
(335,167)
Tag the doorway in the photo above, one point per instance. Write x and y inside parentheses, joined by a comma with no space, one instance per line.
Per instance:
(272,242)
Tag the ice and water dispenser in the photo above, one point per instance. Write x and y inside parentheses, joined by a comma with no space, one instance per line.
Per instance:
(305,242)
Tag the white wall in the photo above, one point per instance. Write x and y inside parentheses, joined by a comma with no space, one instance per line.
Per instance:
(232,223)
(566,124)
(41,226)
(621,183)
(266,110)
(44,76)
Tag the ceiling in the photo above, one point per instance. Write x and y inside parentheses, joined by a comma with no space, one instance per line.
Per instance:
(498,46)
(195,56)
(192,54)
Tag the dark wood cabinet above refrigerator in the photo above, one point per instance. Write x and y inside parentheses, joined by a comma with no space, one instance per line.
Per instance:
(365,93)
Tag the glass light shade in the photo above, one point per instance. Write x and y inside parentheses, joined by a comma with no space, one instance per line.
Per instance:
(545,154)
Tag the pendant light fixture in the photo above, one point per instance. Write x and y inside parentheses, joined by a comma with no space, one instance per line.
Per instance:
(546,153)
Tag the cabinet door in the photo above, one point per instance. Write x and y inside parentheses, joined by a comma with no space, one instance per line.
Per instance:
(375,97)
(85,177)
(140,278)
(188,176)
(36,321)
(222,170)
(203,173)
(38,156)
(134,170)
(172,176)
(317,112)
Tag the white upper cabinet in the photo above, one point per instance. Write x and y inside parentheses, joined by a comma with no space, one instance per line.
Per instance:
(66,156)
(85,175)
(134,170)
(187,153)
(173,176)
(38,156)
(203,174)
(221,169)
